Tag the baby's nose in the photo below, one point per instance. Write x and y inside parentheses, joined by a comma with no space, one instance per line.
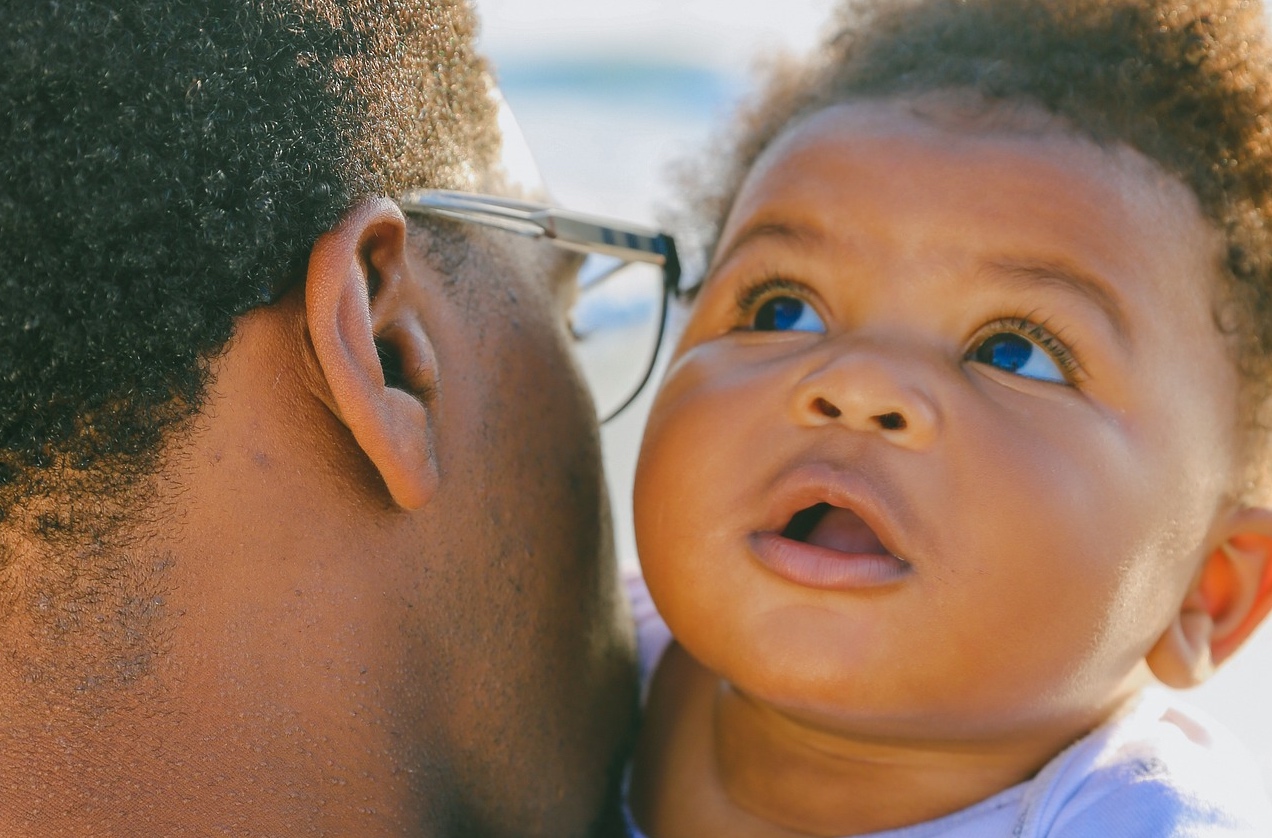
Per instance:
(867,388)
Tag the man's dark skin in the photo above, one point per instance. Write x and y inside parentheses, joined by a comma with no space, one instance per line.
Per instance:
(363,605)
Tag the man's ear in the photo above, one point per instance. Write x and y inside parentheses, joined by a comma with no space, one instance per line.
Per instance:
(1229,597)
(371,347)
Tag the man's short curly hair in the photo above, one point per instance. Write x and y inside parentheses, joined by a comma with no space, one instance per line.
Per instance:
(162,163)
(1188,84)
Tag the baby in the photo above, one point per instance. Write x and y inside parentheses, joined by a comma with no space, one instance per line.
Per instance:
(960,449)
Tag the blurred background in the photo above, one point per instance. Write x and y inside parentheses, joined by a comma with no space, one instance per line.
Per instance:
(611,95)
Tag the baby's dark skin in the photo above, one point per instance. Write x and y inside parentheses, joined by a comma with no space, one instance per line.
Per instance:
(973,343)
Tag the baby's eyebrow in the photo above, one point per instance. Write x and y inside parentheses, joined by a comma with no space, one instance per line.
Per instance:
(796,235)
(1066,278)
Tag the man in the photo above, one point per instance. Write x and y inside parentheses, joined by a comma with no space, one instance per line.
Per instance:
(302,527)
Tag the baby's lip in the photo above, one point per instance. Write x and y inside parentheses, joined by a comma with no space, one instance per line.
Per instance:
(834,510)
(829,548)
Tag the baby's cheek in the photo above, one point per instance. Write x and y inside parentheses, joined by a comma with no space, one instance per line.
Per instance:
(678,489)
(665,496)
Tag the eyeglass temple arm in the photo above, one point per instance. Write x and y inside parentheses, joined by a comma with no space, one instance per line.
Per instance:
(571,230)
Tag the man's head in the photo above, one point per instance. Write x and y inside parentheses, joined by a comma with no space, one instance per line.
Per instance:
(166,166)
(338,562)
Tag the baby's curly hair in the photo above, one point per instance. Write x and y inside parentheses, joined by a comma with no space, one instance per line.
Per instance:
(1188,84)
(164,164)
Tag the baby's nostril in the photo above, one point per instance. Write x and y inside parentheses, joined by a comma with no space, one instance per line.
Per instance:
(891,421)
(827,409)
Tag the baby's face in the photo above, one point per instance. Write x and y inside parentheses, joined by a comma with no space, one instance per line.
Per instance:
(949,429)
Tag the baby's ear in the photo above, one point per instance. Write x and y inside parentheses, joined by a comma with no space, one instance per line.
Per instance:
(1229,597)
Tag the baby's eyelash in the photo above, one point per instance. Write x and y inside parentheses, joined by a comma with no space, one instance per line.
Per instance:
(752,294)
(1063,352)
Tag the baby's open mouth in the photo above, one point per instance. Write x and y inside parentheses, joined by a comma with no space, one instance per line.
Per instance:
(833,528)
(829,548)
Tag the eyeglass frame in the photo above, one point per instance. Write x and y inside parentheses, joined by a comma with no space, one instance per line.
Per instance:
(574,231)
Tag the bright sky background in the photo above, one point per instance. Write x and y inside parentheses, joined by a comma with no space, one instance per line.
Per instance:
(724,34)
(606,146)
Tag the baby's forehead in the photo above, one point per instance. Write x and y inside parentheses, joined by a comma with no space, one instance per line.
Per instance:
(1030,165)
(960,127)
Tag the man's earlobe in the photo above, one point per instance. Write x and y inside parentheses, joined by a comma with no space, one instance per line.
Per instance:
(1230,597)
(372,350)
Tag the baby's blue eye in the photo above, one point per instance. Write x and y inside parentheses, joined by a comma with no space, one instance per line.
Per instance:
(1017,354)
(787,314)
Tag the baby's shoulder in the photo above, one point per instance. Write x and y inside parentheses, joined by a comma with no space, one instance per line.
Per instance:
(1163,769)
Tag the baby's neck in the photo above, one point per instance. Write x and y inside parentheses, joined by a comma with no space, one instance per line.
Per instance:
(713,761)
(809,780)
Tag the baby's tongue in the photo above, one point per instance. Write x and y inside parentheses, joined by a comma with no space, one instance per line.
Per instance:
(841,529)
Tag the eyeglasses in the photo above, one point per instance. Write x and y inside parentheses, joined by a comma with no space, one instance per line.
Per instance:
(626,277)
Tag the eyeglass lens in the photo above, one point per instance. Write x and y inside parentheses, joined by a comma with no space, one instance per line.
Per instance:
(616,320)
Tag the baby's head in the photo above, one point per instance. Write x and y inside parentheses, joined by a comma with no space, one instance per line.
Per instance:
(959,439)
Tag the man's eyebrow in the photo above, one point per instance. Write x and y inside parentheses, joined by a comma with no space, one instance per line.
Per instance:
(1066,278)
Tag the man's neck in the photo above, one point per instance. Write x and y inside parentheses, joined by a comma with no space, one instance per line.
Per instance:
(184,724)
(192,677)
